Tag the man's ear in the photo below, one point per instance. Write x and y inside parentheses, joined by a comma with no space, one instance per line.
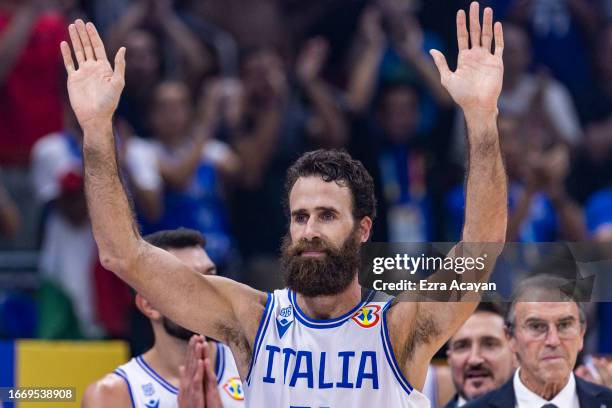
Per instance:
(146,308)
(365,228)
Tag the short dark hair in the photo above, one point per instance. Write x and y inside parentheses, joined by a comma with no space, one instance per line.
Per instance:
(491,305)
(337,166)
(176,239)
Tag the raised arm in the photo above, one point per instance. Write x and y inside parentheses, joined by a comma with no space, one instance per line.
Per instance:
(207,305)
(420,329)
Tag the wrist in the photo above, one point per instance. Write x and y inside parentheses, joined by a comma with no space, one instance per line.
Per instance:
(480,115)
(96,126)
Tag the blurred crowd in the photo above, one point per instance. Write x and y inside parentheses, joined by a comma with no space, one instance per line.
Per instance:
(222,96)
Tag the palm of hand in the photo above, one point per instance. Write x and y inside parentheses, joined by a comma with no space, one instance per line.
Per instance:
(92,91)
(477,81)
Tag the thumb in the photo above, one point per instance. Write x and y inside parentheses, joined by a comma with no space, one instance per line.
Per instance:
(441,64)
(119,73)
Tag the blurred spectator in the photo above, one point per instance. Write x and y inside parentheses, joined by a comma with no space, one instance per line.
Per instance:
(68,253)
(387,138)
(479,354)
(252,24)
(194,168)
(392,48)
(546,332)
(598,212)
(10,219)
(524,92)
(77,298)
(602,374)
(537,166)
(560,31)
(159,46)
(30,97)
(592,164)
(276,126)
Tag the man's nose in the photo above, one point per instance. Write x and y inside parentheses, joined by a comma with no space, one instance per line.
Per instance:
(311,230)
(552,337)
(475,357)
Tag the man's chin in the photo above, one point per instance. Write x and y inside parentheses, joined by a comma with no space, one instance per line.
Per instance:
(475,388)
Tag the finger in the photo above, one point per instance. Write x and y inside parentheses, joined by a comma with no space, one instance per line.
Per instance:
(205,349)
(119,73)
(76,44)
(462,34)
(198,377)
(80,26)
(499,39)
(67,55)
(96,42)
(487,29)
(441,64)
(211,377)
(475,24)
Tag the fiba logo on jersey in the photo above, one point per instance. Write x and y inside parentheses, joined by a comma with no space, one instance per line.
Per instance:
(284,320)
(233,387)
(367,316)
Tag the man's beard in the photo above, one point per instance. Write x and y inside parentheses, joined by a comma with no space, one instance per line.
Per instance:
(328,275)
(175,330)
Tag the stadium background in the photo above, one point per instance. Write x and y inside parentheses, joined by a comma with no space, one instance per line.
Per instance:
(221,96)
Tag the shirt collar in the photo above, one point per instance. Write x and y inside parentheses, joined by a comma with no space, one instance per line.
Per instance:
(461,401)
(525,398)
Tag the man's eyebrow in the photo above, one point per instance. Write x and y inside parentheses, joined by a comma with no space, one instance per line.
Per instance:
(324,208)
(300,211)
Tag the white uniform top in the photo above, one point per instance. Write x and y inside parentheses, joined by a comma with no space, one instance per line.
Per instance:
(150,390)
(338,363)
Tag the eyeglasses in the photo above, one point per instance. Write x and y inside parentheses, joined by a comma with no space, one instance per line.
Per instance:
(539,329)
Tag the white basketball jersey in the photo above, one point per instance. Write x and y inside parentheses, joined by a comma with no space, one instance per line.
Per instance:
(150,390)
(337,363)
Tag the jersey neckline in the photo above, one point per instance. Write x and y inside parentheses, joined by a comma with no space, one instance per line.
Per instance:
(153,374)
(325,323)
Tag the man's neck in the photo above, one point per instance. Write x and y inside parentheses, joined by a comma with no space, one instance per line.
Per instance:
(169,353)
(331,306)
(545,390)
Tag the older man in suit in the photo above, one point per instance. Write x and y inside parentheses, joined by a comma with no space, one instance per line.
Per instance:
(546,330)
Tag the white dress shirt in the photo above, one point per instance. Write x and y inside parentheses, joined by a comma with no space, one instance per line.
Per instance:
(525,398)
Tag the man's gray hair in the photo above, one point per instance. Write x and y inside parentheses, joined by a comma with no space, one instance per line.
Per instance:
(542,288)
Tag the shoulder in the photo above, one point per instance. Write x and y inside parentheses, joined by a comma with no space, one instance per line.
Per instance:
(501,397)
(112,390)
(600,392)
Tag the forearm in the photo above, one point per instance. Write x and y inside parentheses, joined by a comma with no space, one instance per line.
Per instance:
(262,141)
(362,80)
(486,211)
(519,214)
(15,38)
(130,21)
(111,216)
(571,221)
(187,43)
(334,125)
(178,171)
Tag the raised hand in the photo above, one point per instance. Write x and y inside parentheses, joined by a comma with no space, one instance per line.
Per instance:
(94,87)
(477,81)
(311,59)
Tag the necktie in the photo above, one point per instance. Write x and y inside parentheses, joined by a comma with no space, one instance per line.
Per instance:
(549,406)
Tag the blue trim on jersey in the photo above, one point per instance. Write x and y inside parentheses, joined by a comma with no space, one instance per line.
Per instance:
(325,323)
(390,356)
(261,330)
(122,374)
(220,362)
(158,378)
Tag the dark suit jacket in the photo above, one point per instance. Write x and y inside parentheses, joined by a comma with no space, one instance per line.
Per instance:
(453,402)
(589,395)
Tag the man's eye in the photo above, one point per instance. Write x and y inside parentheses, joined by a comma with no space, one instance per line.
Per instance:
(537,326)
(328,216)
(301,218)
